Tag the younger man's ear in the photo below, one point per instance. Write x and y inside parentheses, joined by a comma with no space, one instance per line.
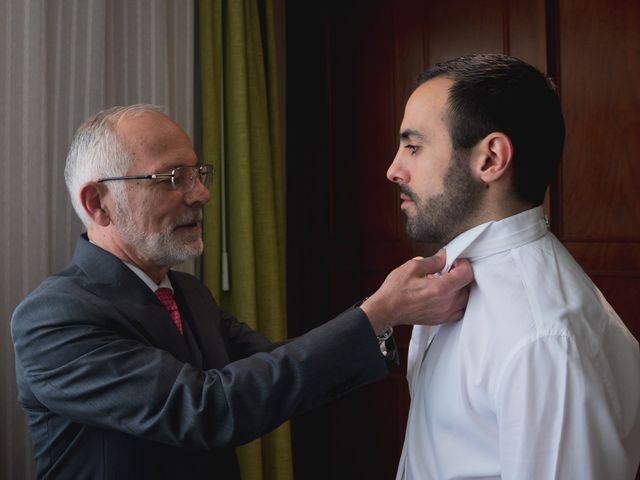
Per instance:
(92,196)
(493,156)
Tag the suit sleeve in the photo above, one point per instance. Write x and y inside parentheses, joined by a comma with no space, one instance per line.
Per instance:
(78,367)
(241,340)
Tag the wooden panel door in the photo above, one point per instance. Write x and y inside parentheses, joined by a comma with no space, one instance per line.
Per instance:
(598,194)
(351,67)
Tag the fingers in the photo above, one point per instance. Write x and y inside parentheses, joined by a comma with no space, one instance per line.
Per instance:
(461,299)
(433,264)
(415,293)
(455,316)
(457,308)
(460,274)
(455,286)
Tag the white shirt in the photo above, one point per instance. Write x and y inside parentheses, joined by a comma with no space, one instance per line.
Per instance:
(165,283)
(540,380)
(149,282)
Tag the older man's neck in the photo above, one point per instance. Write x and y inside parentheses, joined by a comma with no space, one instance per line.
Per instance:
(102,238)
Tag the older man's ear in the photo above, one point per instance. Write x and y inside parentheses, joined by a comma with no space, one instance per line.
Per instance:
(92,198)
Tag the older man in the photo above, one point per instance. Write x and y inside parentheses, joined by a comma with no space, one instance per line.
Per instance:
(129,370)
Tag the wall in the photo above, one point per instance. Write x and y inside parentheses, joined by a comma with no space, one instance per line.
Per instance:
(351,67)
(63,60)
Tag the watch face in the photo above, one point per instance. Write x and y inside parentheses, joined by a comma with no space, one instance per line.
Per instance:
(385,335)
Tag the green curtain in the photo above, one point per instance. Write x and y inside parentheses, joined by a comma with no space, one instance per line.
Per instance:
(241,137)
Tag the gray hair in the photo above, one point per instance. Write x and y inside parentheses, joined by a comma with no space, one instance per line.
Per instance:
(97,152)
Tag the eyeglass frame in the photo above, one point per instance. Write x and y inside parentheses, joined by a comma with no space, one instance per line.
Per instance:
(202,170)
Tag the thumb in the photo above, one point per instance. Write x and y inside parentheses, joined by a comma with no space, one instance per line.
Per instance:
(433,264)
(460,274)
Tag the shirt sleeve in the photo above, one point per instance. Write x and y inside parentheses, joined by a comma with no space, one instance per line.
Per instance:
(556,419)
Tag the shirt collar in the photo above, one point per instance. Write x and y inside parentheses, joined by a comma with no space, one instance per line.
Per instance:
(165,283)
(497,236)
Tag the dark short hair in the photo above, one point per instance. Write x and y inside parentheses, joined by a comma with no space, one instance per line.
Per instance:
(499,93)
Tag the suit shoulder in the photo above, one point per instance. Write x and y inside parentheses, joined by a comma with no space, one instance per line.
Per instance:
(57,296)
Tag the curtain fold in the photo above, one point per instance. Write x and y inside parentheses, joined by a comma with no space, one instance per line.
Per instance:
(241,136)
(61,61)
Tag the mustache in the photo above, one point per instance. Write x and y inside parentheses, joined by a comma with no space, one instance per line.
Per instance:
(189,217)
(408,193)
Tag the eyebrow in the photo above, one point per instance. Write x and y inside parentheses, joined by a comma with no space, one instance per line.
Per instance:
(410,133)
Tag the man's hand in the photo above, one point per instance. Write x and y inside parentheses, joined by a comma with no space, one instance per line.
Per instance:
(415,294)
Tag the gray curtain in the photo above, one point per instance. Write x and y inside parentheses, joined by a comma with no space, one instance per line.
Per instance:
(60,61)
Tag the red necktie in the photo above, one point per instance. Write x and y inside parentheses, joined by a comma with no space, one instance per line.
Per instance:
(165,295)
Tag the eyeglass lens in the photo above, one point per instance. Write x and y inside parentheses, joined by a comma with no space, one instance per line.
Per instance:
(184,178)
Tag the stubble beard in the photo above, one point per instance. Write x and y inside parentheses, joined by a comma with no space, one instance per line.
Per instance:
(442,217)
(166,248)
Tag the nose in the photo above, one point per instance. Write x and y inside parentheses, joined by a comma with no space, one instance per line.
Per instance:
(396,171)
(198,194)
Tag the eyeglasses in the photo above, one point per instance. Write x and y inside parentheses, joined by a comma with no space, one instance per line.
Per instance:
(182,178)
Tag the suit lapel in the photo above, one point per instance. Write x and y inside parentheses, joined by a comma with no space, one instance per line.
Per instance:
(112,280)
(187,325)
(204,319)
(152,317)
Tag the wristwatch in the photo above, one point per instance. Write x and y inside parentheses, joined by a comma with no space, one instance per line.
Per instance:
(384,336)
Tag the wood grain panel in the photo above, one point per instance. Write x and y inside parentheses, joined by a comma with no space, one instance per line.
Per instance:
(363,139)
(618,290)
(410,60)
(528,32)
(615,269)
(607,258)
(461,27)
(351,68)
(597,196)
(600,78)
(369,448)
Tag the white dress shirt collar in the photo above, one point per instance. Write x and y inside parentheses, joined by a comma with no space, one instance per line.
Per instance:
(165,283)
(478,242)
(497,236)
(540,378)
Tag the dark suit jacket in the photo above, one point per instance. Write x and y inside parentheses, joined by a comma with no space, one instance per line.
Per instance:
(112,391)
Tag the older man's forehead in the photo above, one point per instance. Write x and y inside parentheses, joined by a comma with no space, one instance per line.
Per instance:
(156,142)
(153,131)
